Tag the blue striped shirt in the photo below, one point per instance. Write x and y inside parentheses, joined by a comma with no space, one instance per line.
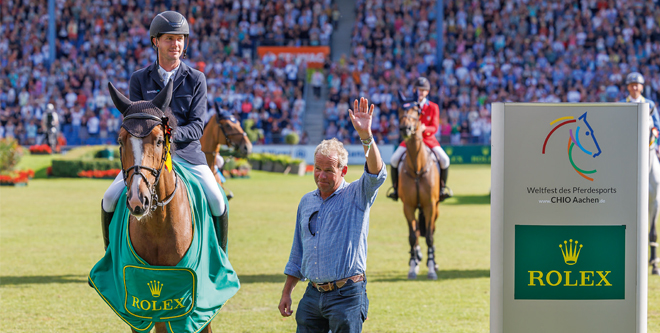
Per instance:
(338,248)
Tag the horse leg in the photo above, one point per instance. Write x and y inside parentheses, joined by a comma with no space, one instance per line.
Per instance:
(430,212)
(413,239)
(207,329)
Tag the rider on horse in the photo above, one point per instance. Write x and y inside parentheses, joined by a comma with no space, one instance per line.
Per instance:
(430,118)
(169,33)
(635,85)
(50,122)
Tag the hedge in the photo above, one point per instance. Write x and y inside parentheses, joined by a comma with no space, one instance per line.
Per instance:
(85,159)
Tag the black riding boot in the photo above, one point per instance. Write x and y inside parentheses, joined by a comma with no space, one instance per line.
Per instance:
(221,224)
(445,192)
(394,195)
(106,218)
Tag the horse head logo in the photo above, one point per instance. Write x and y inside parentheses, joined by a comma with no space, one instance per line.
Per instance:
(581,135)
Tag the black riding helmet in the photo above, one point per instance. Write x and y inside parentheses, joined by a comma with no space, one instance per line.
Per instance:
(422,83)
(169,22)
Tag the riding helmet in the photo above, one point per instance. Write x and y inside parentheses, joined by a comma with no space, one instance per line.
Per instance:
(635,77)
(422,83)
(168,22)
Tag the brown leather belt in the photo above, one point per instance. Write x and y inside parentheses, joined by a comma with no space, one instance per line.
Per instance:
(329,286)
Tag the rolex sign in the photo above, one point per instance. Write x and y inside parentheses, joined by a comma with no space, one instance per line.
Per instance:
(569,262)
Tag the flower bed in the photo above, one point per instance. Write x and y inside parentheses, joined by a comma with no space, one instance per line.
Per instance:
(42,149)
(16,178)
(239,173)
(100,174)
(236,168)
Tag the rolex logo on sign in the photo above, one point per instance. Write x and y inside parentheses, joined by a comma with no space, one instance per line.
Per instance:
(570,252)
(155,287)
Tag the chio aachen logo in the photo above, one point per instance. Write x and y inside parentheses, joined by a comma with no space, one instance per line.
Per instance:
(580,134)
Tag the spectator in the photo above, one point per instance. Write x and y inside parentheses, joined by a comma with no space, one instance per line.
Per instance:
(317,83)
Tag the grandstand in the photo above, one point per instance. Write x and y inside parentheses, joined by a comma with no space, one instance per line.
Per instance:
(532,51)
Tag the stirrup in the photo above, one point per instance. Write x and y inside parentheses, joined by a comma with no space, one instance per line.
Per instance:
(446,193)
(392,194)
(229,195)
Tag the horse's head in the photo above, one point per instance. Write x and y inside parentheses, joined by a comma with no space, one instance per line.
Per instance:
(144,144)
(409,114)
(233,132)
(585,137)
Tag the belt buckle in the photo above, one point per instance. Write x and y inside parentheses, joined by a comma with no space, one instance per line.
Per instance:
(319,287)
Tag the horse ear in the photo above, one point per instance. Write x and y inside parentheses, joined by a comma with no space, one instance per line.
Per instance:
(402,98)
(217,107)
(162,100)
(121,102)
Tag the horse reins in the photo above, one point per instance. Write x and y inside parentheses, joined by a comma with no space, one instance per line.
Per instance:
(154,172)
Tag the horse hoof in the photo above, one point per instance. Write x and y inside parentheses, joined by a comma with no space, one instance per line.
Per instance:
(655,271)
(412,276)
(432,276)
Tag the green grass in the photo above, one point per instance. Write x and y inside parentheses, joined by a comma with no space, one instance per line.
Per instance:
(38,163)
(50,238)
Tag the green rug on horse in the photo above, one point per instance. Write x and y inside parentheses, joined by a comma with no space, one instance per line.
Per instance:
(186,296)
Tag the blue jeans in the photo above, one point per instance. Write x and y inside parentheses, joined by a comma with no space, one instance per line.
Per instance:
(340,310)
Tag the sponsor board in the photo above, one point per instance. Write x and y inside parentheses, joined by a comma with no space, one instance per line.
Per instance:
(569,217)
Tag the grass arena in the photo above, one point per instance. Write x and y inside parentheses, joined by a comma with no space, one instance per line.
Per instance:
(50,238)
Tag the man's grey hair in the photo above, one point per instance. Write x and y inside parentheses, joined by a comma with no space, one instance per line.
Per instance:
(328,147)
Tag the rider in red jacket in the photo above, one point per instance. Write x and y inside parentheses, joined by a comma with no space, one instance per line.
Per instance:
(430,119)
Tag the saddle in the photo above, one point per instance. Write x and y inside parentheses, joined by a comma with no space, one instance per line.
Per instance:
(443,193)
(434,158)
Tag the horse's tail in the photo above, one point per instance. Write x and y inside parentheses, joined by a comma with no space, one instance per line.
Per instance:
(421,222)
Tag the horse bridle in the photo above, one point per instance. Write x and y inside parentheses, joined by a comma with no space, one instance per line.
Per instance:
(235,145)
(415,119)
(156,173)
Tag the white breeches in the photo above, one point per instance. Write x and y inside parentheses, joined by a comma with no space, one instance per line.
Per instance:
(438,151)
(219,161)
(654,183)
(201,172)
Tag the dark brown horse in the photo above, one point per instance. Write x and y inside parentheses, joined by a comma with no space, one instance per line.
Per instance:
(160,225)
(223,129)
(419,187)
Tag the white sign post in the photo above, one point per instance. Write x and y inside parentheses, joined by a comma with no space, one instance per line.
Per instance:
(569,208)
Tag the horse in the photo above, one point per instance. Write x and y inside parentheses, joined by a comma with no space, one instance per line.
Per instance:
(162,228)
(583,134)
(419,187)
(223,129)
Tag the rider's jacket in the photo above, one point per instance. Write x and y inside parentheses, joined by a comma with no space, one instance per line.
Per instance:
(188,105)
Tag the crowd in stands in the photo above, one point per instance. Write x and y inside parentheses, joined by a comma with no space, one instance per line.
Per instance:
(518,51)
(106,41)
(515,51)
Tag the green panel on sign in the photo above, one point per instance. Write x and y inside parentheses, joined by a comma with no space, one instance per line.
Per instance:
(468,154)
(590,264)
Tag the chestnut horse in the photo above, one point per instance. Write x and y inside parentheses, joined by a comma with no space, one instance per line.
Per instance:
(223,129)
(160,226)
(419,187)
